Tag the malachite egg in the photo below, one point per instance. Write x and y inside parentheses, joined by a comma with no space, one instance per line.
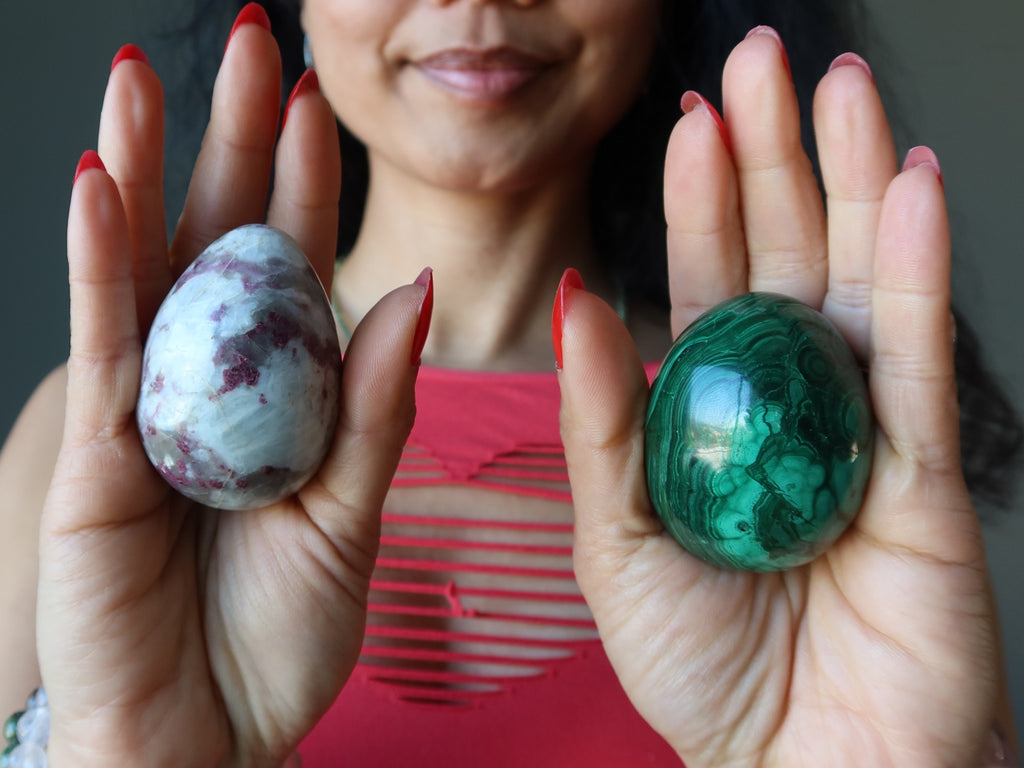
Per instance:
(241,374)
(759,435)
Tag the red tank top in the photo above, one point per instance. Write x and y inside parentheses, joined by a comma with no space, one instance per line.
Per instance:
(479,648)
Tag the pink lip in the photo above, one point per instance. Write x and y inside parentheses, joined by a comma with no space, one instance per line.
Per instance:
(482,75)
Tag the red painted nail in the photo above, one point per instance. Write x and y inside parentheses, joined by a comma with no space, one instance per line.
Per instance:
(89,160)
(771,32)
(850,60)
(129,52)
(571,281)
(252,13)
(308,83)
(692,100)
(919,156)
(419,338)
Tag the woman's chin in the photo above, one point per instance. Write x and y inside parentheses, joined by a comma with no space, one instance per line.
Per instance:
(483,168)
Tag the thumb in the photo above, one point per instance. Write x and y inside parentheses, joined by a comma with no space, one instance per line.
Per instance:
(604,400)
(377,411)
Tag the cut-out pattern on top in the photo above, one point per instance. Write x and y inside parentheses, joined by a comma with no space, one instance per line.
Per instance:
(479,595)
(479,650)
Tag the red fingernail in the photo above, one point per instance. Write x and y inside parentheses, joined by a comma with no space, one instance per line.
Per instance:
(851,60)
(252,13)
(307,83)
(89,160)
(692,100)
(571,281)
(419,338)
(129,52)
(770,31)
(919,156)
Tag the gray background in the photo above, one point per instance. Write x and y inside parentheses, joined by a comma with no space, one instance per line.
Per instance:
(957,69)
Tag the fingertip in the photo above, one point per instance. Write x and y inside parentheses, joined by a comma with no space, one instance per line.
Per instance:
(925,157)
(693,101)
(129,52)
(913,248)
(699,167)
(89,161)
(97,234)
(850,59)
(759,101)
(425,280)
(764,31)
(251,14)
(251,65)
(571,281)
(308,83)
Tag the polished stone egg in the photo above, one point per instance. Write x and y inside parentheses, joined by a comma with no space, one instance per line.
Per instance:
(241,373)
(759,435)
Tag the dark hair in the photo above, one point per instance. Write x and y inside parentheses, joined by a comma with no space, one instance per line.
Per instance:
(695,39)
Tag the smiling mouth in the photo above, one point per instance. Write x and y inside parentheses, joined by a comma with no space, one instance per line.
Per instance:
(485,76)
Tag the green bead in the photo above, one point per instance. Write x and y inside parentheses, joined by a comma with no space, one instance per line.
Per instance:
(759,435)
(11,726)
(5,756)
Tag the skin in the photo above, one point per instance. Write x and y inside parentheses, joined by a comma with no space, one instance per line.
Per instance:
(492,196)
(157,619)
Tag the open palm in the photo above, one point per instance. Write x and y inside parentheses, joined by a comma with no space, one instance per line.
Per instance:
(170,634)
(883,651)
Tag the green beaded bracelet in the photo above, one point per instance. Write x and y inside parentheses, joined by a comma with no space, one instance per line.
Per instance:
(27,734)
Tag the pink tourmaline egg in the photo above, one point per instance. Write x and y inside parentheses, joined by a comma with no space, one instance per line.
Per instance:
(241,373)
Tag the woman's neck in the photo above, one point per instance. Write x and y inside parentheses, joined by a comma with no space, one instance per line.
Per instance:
(497,258)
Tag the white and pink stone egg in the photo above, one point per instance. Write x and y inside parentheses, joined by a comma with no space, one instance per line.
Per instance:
(241,374)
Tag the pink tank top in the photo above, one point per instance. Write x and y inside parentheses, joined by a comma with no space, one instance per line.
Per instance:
(479,648)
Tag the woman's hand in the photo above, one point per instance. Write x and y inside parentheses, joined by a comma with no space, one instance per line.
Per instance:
(883,651)
(170,634)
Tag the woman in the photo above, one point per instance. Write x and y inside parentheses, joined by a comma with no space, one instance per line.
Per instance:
(166,633)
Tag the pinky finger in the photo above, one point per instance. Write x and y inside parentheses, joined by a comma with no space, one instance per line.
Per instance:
(912,353)
(912,378)
(104,365)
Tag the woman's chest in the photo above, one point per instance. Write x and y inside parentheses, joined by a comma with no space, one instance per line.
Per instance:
(474,590)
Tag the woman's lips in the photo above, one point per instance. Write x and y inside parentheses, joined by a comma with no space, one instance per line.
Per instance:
(487,75)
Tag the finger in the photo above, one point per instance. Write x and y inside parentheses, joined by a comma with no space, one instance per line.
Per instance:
(706,252)
(131,141)
(104,362)
(377,409)
(307,182)
(232,173)
(783,214)
(102,477)
(912,382)
(858,161)
(604,397)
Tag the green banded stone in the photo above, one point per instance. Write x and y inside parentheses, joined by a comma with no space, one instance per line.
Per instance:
(759,435)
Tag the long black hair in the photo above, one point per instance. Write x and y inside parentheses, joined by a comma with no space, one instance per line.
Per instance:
(694,40)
